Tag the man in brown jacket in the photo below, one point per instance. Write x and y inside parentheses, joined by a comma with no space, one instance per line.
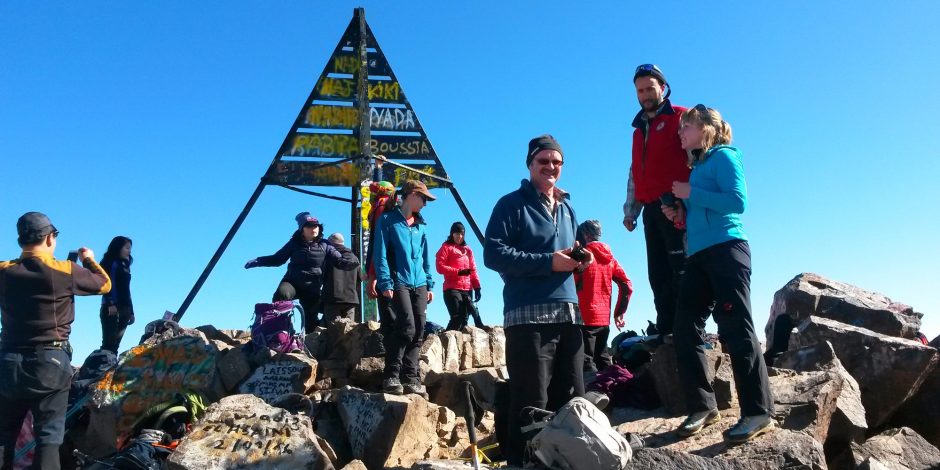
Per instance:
(36,314)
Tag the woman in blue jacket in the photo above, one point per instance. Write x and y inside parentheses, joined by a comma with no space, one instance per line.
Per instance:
(717,279)
(403,278)
(309,254)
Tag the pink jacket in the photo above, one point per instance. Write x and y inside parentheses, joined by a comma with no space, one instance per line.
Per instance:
(452,258)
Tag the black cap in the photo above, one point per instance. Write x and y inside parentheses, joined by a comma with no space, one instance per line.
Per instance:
(649,70)
(542,142)
(31,227)
(652,70)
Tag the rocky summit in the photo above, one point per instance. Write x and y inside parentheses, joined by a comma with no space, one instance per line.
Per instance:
(852,389)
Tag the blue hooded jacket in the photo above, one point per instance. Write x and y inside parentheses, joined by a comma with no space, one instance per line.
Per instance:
(520,239)
(401,253)
(717,199)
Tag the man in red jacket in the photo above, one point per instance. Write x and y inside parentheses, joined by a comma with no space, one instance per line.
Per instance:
(658,160)
(594,295)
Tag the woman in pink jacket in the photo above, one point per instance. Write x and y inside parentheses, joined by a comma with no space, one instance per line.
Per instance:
(455,262)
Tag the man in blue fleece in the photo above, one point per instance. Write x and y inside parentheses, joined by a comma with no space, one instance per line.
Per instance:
(530,241)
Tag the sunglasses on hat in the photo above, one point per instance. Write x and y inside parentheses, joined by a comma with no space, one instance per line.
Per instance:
(647,68)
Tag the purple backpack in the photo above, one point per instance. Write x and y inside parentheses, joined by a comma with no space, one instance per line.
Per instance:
(273,327)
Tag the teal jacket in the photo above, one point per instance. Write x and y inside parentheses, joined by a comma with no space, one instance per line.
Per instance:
(717,200)
(401,253)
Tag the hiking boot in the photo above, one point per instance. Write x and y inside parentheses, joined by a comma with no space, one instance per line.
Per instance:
(415,387)
(696,421)
(749,427)
(600,400)
(392,387)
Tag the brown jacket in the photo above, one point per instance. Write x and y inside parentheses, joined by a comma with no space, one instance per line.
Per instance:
(36,297)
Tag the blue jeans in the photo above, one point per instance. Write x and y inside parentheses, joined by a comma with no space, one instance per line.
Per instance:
(38,381)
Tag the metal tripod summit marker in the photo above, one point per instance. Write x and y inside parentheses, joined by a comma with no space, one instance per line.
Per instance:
(356,110)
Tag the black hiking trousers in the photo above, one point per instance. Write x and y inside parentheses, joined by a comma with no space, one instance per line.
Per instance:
(460,307)
(665,260)
(546,369)
(720,275)
(309,298)
(38,381)
(403,332)
(596,357)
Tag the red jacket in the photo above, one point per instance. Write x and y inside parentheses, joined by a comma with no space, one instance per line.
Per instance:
(452,258)
(658,159)
(594,286)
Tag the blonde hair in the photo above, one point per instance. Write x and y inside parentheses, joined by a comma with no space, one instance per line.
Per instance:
(715,131)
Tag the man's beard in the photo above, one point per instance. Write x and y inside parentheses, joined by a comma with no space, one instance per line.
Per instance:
(651,104)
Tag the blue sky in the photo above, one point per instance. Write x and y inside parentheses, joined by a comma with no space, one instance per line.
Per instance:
(155,120)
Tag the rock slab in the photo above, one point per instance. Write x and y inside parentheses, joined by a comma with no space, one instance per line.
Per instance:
(242,432)
(810,294)
(889,370)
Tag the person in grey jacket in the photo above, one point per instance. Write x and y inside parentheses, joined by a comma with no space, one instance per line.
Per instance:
(341,286)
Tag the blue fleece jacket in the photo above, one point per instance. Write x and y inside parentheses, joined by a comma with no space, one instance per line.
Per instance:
(400,253)
(520,239)
(717,200)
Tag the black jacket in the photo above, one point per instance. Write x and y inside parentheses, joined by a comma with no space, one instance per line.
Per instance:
(308,260)
(340,286)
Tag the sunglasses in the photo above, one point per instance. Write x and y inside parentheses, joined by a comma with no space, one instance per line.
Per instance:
(55,234)
(647,68)
(701,108)
(546,161)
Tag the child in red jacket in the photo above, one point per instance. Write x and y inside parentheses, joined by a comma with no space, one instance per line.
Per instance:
(594,295)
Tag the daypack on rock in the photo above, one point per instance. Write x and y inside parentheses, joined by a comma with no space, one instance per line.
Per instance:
(578,437)
(273,327)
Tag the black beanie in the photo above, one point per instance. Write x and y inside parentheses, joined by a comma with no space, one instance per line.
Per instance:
(457,227)
(542,142)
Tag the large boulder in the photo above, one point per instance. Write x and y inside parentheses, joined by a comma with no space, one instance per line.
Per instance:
(328,425)
(810,294)
(781,448)
(349,341)
(432,354)
(286,373)
(889,370)
(481,349)
(233,367)
(241,431)
(230,338)
(367,374)
(665,372)
(899,448)
(447,389)
(387,430)
(150,374)
(848,422)
(657,459)
(805,401)
(922,411)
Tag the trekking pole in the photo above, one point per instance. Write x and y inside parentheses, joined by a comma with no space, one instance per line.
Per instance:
(470,419)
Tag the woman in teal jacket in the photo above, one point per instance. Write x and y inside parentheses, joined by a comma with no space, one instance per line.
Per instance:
(403,278)
(717,279)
